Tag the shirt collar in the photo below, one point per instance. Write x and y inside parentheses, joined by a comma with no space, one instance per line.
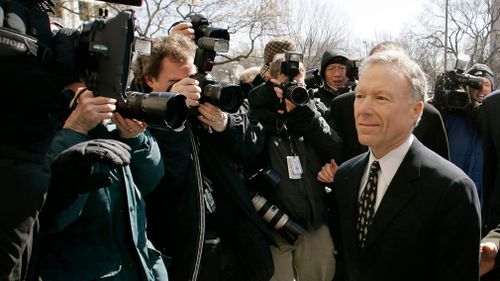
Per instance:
(390,162)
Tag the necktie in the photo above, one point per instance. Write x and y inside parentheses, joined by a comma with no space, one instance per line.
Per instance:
(366,207)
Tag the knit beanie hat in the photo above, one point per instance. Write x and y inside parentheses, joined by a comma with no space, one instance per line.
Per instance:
(482,70)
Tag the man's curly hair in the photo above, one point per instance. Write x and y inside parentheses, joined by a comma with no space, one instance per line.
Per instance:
(179,48)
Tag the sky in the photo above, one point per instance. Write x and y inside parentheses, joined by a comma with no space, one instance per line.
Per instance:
(370,17)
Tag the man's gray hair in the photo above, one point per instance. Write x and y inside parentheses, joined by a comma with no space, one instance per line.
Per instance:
(410,69)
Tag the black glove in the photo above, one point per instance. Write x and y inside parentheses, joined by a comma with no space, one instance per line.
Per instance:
(71,171)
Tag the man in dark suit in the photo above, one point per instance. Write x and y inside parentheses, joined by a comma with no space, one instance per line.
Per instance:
(491,169)
(430,130)
(402,211)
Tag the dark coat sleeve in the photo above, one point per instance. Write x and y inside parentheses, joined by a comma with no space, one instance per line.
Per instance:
(244,135)
(431,131)
(308,122)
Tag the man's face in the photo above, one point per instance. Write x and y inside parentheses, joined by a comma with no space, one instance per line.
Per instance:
(335,75)
(171,72)
(479,94)
(384,110)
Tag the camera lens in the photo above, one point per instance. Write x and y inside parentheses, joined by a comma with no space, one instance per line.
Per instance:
(297,94)
(228,97)
(159,110)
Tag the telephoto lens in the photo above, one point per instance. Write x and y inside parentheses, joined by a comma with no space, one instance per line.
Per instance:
(158,110)
(278,220)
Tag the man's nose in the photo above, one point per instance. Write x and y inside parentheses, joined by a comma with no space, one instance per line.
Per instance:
(364,106)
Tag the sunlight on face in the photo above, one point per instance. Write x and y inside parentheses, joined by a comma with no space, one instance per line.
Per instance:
(384,110)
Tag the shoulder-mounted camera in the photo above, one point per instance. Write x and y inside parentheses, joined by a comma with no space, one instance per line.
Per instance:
(451,87)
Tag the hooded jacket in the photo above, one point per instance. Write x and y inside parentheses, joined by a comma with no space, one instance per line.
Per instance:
(327,94)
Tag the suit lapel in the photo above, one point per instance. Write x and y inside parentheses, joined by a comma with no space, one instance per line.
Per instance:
(350,205)
(400,191)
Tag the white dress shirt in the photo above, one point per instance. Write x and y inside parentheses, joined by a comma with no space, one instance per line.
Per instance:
(389,165)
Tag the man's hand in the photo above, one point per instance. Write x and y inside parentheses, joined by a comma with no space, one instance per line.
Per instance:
(290,106)
(327,173)
(212,116)
(183,28)
(189,88)
(89,112)
(489,252)
(72,169)
(128,128)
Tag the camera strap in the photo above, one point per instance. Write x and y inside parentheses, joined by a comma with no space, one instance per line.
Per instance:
(16,44)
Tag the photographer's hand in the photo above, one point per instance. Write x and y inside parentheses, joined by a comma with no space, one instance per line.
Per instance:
(72,169)
(189,88)
(128,128)
(290,106)
(183,28)
(89,112)
(212,116)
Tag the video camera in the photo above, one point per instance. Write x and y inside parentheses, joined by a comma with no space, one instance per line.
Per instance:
(271,214)
(451,87)
(104,50)
(294,91)
(210,41)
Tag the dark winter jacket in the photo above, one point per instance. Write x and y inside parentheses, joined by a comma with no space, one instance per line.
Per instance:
(305,133)
(326,94)
(178,222)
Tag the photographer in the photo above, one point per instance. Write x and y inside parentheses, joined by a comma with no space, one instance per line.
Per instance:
(201,214)
(30,82)
(463,125)
(94,222)
(334,67)
(298,142)
(273,47)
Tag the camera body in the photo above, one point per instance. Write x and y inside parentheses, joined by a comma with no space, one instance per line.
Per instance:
(294,91)
(272,215)
(104,50)
(313,79)
(209,41)
(451,88)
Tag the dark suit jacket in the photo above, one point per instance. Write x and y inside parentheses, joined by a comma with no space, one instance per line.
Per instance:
(427,226)
(491,171)
(430,130)
(490,115)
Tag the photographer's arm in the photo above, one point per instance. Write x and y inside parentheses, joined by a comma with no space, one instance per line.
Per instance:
(146,163)
(308,122)
(244,135)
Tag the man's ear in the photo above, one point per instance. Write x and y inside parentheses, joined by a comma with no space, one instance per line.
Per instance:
(149,81)
(419,109)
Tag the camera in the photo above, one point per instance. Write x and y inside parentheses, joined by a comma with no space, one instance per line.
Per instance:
(313,79)
(451,88)
(294,91)
(271,214)
(210,41)
(104,49)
